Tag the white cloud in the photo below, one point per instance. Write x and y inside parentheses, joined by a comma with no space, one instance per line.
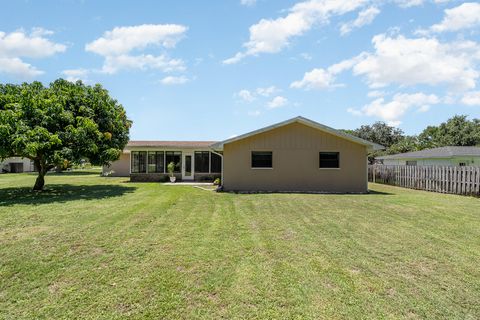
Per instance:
(409,62)
(73,75)
(471,98)
(392,111)
(35,45)
(465,16)
(409,3)
(235,59)
(252,95)
(405,62)
(171,80)
(114,64)
(324,79)
(415,3)
(267,92)
(277,102)
(18,68)
(272,35)
(345,64)
(40,32)
(248,3)
(364,17)
(18,44)
(116,47)
(122,40)
(315,79)
(246,95)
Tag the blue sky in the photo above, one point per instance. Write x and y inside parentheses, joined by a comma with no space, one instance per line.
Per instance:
(208,70)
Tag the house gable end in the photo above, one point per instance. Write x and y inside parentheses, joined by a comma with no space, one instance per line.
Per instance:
(306,122)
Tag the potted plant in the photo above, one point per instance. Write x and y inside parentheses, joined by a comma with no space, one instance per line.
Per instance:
(171,170)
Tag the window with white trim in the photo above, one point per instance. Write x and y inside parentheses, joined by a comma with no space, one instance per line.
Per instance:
(329,160)
(262,159)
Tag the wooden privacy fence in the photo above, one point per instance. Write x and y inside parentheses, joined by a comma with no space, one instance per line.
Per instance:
(456,180)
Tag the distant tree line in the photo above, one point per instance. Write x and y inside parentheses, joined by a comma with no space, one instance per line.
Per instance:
(456,131)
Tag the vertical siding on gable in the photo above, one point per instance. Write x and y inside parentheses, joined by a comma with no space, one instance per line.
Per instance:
(295,150)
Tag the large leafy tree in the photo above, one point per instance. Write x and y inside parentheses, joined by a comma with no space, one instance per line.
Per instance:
(63,122)
(456,131)
(406,144)
(380,133)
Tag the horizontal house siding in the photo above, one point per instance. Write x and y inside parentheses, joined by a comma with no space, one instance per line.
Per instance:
(295,150)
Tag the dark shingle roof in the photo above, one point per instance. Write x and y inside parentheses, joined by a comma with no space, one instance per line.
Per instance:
(442,152)
(172,144)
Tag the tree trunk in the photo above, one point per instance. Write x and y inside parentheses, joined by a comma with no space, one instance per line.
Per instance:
(40,182)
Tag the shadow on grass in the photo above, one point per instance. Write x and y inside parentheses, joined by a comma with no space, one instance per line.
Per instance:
(379,192)
(61,193)
(75,173)
(63,173)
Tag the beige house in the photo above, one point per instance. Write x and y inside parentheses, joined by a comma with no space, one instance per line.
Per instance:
(295,155)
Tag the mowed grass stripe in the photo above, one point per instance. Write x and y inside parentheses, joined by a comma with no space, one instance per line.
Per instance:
(106,248)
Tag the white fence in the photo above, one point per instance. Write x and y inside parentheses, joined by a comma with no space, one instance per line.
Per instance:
(456,180)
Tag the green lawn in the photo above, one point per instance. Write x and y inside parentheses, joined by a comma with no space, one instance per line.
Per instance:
(93,247)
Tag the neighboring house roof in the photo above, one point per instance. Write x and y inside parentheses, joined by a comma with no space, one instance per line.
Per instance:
(171,144)
(442,152)
(307,122)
